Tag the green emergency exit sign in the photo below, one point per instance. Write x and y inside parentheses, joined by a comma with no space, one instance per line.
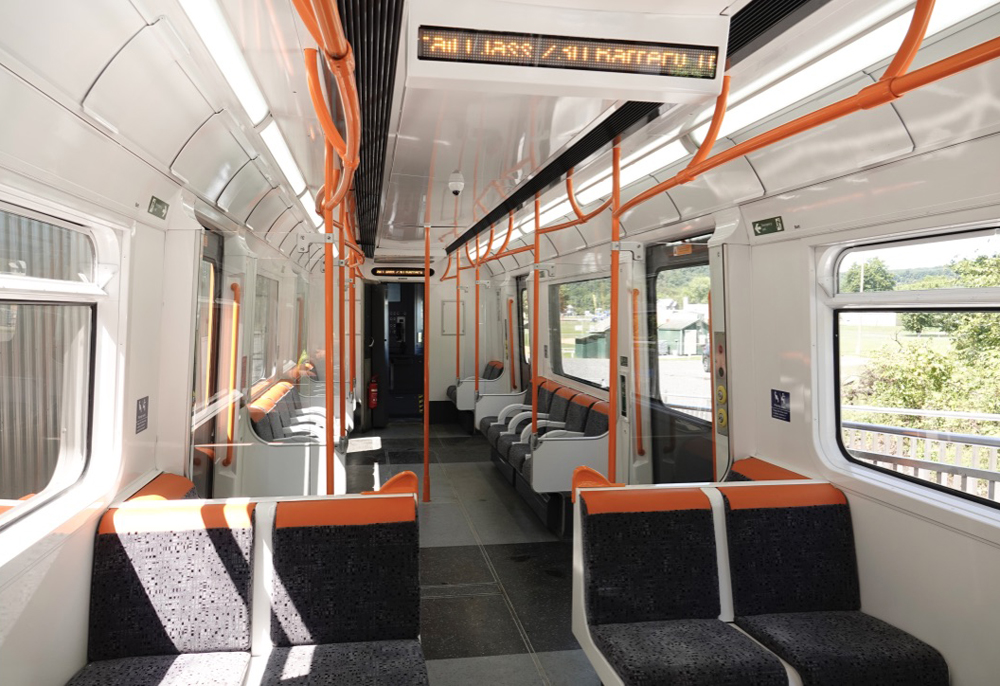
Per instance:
(766,226)
(158,208)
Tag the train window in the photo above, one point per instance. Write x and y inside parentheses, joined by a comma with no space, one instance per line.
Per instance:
(34,248)
(581,321)
(918,377)
(45,391)
(265,327)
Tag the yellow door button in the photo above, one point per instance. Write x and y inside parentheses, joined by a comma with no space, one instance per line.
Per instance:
(720,395)
(721,418)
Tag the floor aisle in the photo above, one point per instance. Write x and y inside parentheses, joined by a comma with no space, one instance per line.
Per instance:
(495,584)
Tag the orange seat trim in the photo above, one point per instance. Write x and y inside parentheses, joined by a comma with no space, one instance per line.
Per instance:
(164,487)
(346,512)
(193,517)
(759,470)
(792,495)
(402,483)
(653,500)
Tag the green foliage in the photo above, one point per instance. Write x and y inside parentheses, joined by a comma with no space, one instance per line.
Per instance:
(905,277)
(872,275)
(691,282)
(585,296)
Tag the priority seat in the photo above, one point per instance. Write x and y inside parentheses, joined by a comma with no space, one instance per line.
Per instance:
(796,590)
(345,596)
(170,596)
(650,587)
(555,417)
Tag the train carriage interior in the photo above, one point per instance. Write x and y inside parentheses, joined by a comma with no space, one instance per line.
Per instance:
(499,342)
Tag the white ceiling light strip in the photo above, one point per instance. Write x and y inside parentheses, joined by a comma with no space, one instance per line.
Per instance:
(283,156)
(861,53)
(215,33)
(309,202)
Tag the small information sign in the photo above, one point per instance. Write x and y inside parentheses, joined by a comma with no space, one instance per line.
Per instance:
(781,405)
(766,226)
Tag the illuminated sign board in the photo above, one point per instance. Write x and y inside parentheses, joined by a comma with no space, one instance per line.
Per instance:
(399,271)
(564,52)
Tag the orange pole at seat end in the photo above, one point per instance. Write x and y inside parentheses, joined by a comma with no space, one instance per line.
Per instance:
(637,377)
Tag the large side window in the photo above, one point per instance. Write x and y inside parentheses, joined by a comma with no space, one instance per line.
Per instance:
(918,361)
(46,362)
(265,325)
(580,326)
(525,327)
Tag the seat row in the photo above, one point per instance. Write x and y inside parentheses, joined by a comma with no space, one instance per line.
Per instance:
(318,591)
(572,432)
(753,584)
(492,380)
(278,415)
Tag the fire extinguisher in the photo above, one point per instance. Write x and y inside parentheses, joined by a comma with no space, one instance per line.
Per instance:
(373,392)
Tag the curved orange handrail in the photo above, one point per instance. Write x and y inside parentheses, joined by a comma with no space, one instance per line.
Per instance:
(322,111)
(911,42)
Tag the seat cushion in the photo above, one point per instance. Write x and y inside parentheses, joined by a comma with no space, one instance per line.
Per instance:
(518,453)
(485,423)
(505,441)
(493,434)
(843,647)
(692,652)
(378,663)
(191,669)
(452,393)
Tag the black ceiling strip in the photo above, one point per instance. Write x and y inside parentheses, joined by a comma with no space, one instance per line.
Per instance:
(762,19)
(373,29)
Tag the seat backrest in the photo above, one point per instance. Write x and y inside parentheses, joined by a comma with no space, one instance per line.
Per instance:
(649,555)
(546,391)
(753,469)
(171,579)
(494,368)
(166,487)
(345,570)
(597,420)
(791,549)
(579,408)
(560,404)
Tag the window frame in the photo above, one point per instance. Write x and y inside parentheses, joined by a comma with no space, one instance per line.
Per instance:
(555,325)
(523,310)
(29,290)
(949,300)
(270,352)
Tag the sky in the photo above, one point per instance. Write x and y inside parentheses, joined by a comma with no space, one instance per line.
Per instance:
(935,253)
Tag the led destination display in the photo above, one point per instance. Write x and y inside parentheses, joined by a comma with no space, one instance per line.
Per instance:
(566,52)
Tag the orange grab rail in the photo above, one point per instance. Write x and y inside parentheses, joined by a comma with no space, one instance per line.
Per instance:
(638,376)
(427,363)
(616,163)
(534,324)
(340,327)
(235,345)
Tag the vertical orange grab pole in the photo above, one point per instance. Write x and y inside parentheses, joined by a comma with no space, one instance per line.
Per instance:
(534,321)
(232,375)
(458,317)
(427,363)
(711,373)
(636,364)
(616,161)
(476,371)
(328,344)
(354,275)
(510,339)
(340,325)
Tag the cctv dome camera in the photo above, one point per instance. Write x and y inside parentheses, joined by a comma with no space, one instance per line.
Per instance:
(456,183)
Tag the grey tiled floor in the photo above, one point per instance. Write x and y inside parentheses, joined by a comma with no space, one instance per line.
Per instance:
(495,583)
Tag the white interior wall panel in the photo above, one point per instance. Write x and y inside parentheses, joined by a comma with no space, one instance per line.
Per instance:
(653,213)
(80,39)
(247,188)
(211,157)
(267,211)
(46,142)
(961,176)
(730,184)
(146,95)
(960,107)
(854,142)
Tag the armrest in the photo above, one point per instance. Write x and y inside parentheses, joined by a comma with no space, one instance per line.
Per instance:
(549,435)
(573,436)
(511,410)
(542,423)
(519,420)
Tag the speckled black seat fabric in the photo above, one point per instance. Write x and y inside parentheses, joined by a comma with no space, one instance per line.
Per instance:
(557,410)
(486,423)
(192,669)
(795,589)
(545,394)
(686,651)
(517,454)
(376,663)
(654,632)
(847,649)
(452,393)
(168,589)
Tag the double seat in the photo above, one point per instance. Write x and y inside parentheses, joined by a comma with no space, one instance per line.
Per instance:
(572,432)
(278,415)
(193,592)
(742,584)
(493,380)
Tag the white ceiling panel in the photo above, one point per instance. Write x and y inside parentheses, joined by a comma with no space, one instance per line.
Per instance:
(282,226)
(72,52)
(732,183)
(267,212)
(159,113)
(653,213)
(211,158)
(244,191)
